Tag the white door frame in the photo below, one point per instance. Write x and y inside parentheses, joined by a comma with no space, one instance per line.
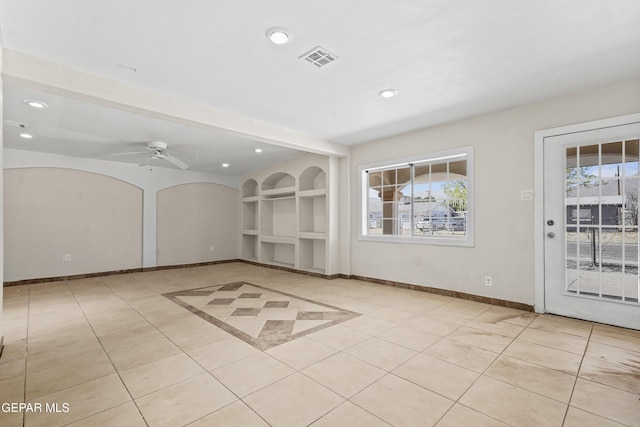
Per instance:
(538,187)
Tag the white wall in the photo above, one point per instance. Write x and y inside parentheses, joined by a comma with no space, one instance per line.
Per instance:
(1,197)
(504,228)
(150,181)
(93,219)
(193,219)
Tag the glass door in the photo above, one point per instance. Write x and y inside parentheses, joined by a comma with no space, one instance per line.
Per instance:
(591,225)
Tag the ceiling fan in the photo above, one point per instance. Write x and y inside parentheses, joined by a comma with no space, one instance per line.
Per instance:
(157,150)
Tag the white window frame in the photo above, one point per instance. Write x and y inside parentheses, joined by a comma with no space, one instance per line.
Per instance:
(363,219)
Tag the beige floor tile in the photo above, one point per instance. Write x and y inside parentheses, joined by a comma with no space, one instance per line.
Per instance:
(368,325)
(130,337)
(60,336)
(143,353)
(339,337)
(301,353)
(565,325)
(501,328)
(222,353)
(598,328)
(465,306)
(60,377)
(191,332)
(415,306)
(362,307)
(467,356)
(40,324)
(83,401)
(12,390)
(238,414)
(12,419)
(548,357)
(482,339)
(251,373)
(509,315)
(162,373)
(63,354)
(524,408)
(411,337)
(444,378)
(461,416)
(293,401)
(608,402)
(616,339)
(139,328)
(14,350)
(579,418)
(185,402)
(381,353)
(109,322)
(402,403)
(392,315)
(125,415)
(432,325)
(277,314)
(344,374)
(450,316)
(557,340)
(623,377)
(350,415)
(12,369)
(611,354)
(538,379)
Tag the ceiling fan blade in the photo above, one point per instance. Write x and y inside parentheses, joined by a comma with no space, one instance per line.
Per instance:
(179,163)
(146,162)
(129,153)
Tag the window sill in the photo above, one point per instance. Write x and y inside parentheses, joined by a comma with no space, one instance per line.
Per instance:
(435,241)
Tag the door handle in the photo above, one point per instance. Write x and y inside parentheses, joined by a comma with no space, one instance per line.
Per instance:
(551,234)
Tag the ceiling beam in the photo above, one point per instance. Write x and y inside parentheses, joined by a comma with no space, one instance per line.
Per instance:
(58,79)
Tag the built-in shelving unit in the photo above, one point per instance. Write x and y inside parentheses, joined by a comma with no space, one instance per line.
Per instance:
(285,220)
(249,214)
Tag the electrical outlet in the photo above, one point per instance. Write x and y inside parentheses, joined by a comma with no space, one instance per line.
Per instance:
(66,258)
(212,248)
(488,281)
(526,195)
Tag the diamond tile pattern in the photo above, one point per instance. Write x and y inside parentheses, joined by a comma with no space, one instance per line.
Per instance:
(260,316)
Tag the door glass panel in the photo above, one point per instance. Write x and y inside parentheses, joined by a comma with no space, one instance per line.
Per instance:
(601,204)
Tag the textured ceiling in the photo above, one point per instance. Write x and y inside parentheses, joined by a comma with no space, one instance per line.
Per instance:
(448,60)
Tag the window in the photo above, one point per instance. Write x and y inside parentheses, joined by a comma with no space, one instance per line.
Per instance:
(426,199)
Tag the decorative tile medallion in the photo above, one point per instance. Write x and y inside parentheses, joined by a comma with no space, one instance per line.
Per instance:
(260,316)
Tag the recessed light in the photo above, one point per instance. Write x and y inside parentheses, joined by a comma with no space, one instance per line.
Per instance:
(26,136)
(225,165)
(278,35)
(34,103)
(258,150)
(388,93)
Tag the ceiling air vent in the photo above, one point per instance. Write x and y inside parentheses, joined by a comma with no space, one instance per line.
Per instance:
(319,57)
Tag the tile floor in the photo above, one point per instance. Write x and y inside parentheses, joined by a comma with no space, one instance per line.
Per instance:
(115,351)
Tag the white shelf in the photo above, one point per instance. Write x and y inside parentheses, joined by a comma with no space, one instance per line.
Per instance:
(312,235)
(279,192)
(285,220)
(289,240)
(312,255)
(250,247)
(278,253)
(313,193)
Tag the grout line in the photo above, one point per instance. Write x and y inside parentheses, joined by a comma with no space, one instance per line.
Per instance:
(108,357)
(566,412)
